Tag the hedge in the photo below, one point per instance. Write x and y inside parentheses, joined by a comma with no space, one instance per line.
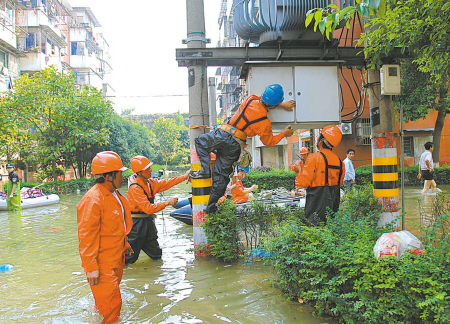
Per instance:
(62,187)
(282,178)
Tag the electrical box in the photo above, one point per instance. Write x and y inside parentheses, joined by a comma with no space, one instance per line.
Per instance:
(346,128)
(390,79)
(314,85)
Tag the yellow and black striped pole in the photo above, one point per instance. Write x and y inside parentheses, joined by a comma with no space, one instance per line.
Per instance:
(201,189)
(385,176)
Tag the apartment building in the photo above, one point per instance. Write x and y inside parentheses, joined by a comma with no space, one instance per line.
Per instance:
(36,34)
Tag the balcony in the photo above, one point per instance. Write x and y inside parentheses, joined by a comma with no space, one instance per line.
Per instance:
(39,19)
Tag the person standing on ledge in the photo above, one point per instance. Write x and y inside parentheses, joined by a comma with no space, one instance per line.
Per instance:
(228,140)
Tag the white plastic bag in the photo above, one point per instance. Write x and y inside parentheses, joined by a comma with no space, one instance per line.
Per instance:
(396,244)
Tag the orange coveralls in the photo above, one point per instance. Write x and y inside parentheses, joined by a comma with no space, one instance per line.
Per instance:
(301,164)
(144,235)
(102,237)
(322,176)
(251,118)
(238,194)
(258,123)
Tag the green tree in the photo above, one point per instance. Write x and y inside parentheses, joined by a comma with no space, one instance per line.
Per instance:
(421,94)
(421,27)
(179,119)
(167,138)
(58,117)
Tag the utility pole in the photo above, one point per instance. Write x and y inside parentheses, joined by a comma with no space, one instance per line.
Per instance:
(384,150)
(198,115)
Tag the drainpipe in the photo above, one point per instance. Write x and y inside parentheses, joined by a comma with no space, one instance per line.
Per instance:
(198,115)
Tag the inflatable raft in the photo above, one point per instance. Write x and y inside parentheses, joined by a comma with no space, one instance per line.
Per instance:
(183,213)
(31,198)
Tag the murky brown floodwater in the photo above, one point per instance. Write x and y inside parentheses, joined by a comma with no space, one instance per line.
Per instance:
(48,284)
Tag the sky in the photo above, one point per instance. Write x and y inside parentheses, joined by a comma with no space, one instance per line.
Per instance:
(143,36)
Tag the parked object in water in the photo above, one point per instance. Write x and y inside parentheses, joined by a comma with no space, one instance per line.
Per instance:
(31,198)
(184,212)
(396,244)
(6,267)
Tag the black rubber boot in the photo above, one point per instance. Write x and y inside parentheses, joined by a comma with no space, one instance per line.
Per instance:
(201,174)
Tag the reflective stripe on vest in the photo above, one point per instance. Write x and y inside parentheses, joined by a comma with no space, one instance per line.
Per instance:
(248,123)
(332,167)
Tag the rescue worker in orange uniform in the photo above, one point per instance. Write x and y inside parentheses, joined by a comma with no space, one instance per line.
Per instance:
(141,195)
(322,176)
(298,165)
(239,194)
(103,221)
(228,140)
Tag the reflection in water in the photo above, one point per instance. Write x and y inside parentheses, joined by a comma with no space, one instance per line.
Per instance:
(48,284)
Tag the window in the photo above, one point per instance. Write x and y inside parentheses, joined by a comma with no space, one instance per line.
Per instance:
(363,131)
(76,48)
(3,59)
(408,146)
(31,41)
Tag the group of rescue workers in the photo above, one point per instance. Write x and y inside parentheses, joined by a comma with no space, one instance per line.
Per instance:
(112,229)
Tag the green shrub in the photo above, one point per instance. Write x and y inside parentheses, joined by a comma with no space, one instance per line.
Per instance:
(222,232)
(442,175)
(333,267)
(270,179)
(62,187)
(47,173)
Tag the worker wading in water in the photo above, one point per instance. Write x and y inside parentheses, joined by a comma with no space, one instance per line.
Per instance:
(12,189)
(228,140)
(322,176)
(104,220)
(141,195)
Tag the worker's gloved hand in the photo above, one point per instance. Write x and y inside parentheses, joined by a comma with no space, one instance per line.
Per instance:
(288,131)
(186,175)
(288,105)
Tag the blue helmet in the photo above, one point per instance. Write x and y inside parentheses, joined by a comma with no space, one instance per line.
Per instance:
(246,170)
(273,95)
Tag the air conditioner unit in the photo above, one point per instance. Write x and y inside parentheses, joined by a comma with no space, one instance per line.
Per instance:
(346,128)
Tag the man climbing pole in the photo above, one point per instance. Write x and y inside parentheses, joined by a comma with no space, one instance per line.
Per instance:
(322,175)
(228,140)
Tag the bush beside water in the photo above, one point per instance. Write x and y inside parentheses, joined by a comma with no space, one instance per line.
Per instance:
(62,187)
(333,266)
(271,179)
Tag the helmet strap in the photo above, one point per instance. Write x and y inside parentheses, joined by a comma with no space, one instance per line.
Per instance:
(113,176)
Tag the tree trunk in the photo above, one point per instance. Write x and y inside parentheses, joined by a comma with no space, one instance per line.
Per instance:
(55,177)
(442,112)
(75,173)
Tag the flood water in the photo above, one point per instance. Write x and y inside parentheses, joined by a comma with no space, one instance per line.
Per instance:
(48,284)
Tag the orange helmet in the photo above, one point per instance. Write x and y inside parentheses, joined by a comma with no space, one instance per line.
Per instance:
(107,161)
(139,163)
(332,135)
(304,150)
